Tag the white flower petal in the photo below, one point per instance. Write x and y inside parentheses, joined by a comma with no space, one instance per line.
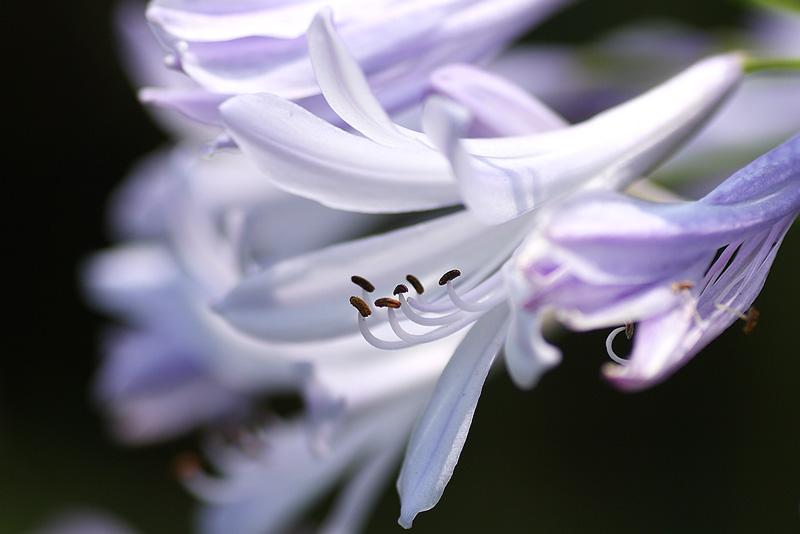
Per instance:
(345,87)
(305,155)
(500,179)
(440,434)
(527,354)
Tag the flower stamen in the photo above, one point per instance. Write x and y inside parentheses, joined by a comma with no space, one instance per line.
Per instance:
(386,302)
(408,309)
(448,276)
(684,288)
(363,283)
(361,306)
(446,315)
(415,283)
(628,329)
(750,317)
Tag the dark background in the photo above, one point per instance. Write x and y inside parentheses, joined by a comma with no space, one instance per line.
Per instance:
(715,449)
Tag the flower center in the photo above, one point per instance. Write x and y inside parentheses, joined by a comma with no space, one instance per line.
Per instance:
(415,320)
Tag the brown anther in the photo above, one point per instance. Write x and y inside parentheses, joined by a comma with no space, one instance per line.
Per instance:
(186,465)
(684,285)
(363,283)
(415,283)
(628,330)
(449,275)
(400,289)
(386,302)
(750,320)
(361,306)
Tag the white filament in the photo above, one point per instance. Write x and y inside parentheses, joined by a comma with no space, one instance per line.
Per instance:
(610,349)
(447,315)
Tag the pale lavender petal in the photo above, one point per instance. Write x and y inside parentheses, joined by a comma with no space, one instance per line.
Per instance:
(683,271)
(155,390)
(195,104)
(498,107)
(665,343)
(263,490)
(441,432)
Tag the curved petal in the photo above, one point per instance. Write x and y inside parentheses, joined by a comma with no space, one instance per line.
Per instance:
(440,434)
(500,179)
(305,155)
(665,343)
(345,87)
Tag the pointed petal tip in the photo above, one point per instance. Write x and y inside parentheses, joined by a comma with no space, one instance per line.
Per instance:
(621,378)
(406,518)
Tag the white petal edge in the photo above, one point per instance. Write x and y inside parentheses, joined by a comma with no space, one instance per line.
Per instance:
(441,432)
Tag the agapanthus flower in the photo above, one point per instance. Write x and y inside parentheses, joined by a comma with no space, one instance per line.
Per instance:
(230,48)
(232,291)
(680,272)
(393,169)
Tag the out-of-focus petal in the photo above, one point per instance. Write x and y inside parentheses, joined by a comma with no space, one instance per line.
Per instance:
(261,491)
(197,105)
(255,47)
(498,107)
(350,511)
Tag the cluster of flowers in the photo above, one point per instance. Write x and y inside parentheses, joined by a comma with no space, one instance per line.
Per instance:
(366,205)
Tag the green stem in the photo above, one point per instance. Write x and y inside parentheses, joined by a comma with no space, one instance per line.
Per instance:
(753,64)
(792,5)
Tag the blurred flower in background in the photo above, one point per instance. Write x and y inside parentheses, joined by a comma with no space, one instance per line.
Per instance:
(457,187)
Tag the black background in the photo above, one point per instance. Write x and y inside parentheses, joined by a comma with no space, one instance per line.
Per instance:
(714,449)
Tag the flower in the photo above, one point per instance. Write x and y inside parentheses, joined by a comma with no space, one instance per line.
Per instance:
(394,169)
(683,272)
(257,46)
(247,47)
(232,291)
